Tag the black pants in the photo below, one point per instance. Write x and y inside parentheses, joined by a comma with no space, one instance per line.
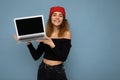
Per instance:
(46,72)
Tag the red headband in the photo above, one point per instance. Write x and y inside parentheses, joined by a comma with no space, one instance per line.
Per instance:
(57,8)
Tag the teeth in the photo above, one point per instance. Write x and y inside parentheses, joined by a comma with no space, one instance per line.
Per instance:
(56,20)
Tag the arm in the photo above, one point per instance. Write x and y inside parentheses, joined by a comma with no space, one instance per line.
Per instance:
(62,50)
(36,53)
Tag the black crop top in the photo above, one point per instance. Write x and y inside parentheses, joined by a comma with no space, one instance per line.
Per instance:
(59,52)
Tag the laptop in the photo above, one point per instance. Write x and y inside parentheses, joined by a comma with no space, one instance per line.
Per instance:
(30,28)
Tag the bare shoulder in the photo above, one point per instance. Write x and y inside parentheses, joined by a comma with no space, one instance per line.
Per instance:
(67,35)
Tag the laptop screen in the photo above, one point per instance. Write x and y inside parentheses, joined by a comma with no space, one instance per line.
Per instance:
(31,25)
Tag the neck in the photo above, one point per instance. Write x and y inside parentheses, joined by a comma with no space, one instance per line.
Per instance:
(56,29)
(55,32)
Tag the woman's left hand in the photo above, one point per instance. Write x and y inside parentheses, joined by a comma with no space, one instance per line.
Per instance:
(47,41)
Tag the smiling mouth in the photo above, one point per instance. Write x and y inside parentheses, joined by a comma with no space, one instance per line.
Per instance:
(57,21)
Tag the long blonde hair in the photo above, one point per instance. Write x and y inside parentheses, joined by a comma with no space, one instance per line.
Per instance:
(63,27)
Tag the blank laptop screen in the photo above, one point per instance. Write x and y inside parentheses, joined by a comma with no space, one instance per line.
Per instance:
(29,26)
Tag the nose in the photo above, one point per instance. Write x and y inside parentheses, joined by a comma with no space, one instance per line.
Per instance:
(57,17)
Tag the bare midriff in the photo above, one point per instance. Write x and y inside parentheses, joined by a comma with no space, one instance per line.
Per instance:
(51,62)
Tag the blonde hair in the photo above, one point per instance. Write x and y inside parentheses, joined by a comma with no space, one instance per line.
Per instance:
(63,27)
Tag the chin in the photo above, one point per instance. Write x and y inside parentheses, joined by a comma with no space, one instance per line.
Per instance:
(56,24)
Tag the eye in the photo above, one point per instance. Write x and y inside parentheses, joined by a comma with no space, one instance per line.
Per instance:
(54,14)
(60,15)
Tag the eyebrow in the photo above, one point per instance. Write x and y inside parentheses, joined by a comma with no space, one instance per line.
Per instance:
(56,13)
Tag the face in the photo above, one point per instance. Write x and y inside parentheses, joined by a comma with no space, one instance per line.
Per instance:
(57,18)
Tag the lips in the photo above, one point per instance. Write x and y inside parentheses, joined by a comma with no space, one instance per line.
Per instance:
(56,21)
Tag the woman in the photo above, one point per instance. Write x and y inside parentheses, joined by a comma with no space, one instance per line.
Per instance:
(55,48)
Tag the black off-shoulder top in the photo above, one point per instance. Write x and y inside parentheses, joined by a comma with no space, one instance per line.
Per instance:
(59,52)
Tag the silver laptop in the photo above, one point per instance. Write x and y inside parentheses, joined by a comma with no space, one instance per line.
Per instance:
(30,28)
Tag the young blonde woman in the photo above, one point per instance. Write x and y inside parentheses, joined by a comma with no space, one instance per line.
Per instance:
(55,48)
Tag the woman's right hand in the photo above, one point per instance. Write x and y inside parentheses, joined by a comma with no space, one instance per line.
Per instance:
(15,37)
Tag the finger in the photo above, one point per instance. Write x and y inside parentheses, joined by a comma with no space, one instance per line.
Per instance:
(39,40)
(47,38)
(15,37)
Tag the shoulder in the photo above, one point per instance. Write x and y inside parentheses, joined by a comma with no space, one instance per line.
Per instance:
(67,35)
